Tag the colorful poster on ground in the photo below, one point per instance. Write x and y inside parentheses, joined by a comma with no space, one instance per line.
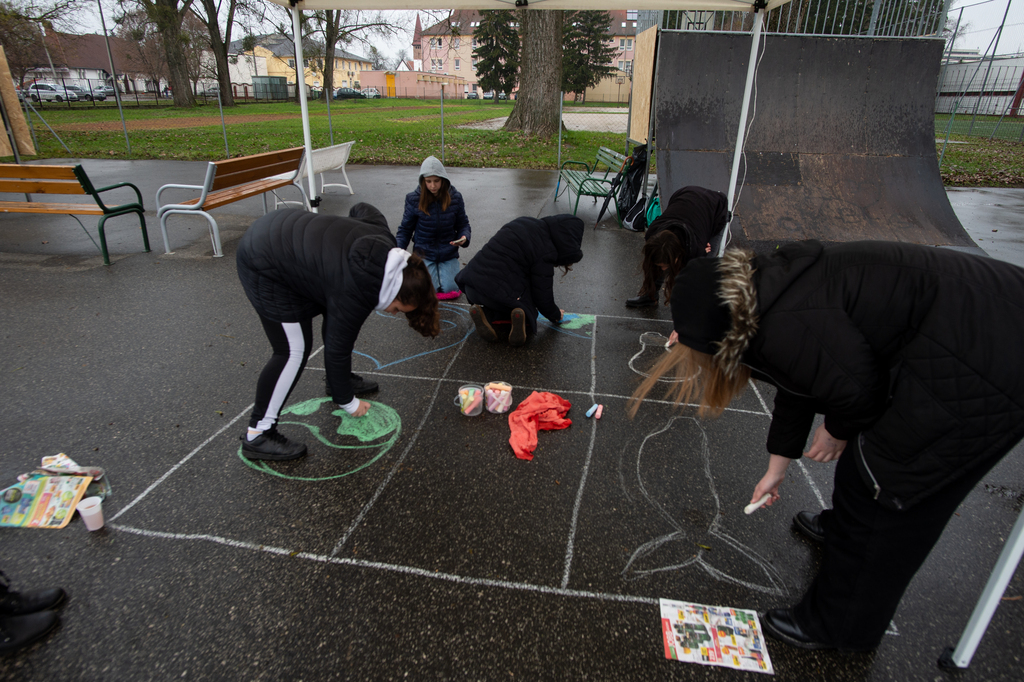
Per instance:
(42,501)
(714,635)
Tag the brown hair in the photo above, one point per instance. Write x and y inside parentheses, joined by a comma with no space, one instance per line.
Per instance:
(663,248)
(697,379)
(418,289)
(427,197)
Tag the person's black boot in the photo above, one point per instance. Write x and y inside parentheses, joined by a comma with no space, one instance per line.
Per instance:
(17,632)
(517,336)
(810,525)
(781,625)
(483,327)
(23,603)
(272,445)
(641,301)
(361,386)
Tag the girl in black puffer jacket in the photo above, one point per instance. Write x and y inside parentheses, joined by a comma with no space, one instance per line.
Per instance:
(296,265)
(435,219)
(912,355)
(510,280)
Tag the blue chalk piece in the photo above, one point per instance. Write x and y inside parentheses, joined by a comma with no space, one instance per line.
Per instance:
(592,410)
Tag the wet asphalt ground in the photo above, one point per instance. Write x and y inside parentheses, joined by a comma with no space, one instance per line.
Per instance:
(419,547)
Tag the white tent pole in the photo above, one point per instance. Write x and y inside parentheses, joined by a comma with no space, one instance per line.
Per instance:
(300,83)
(737,154)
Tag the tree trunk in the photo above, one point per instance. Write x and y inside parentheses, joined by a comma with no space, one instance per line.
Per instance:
(168,20)
(220,53)
(540,76)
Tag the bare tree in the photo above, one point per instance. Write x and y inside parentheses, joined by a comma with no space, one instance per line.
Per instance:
(324,30)
(145,50)
(215,14)
(540,78)
(20,33)
(168,15)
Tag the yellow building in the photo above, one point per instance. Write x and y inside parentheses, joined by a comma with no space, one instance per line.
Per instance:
(279,53)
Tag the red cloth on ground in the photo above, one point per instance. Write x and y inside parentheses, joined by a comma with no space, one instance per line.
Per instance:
(540,411)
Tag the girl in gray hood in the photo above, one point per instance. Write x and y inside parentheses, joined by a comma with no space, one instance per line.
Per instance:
(435,219)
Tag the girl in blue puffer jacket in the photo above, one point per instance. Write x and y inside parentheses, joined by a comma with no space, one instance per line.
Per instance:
(435,218)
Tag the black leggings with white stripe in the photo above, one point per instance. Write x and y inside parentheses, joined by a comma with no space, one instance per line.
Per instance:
(292,343)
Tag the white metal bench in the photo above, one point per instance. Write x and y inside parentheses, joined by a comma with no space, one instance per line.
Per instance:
(325,160)
(232,180)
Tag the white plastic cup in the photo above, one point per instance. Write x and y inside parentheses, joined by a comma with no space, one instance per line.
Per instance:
(470,400)
(91,511)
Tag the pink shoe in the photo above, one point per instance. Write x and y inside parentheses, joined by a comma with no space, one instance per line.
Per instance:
(448,295)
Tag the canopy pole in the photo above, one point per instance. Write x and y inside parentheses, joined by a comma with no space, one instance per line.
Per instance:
(737,154)
(300,83)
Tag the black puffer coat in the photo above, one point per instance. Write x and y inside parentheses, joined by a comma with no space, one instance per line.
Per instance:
(694,215)
(295,265)
(516,267)
(915,348)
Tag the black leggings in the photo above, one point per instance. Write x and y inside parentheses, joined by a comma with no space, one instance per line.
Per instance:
(292,343)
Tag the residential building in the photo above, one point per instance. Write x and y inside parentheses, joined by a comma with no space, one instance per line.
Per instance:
(82,60)
(447,48)
(274,55)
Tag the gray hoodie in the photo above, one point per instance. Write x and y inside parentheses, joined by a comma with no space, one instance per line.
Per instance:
(433,166)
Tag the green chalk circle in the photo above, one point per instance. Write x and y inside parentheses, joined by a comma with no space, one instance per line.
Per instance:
(577,320)
(375,432)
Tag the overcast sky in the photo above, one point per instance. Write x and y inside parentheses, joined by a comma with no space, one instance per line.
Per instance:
(984,17)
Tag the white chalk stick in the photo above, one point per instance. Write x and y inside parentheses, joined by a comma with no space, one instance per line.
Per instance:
(750,508)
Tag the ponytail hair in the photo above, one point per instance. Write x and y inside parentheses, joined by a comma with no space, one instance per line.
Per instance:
(696,379)
(418,290)
(427,197)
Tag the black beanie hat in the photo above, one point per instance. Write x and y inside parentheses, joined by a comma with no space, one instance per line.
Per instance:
(699,315)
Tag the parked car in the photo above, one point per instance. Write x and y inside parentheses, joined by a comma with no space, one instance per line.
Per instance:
(348,93)
(212,91)
(470,95)
(107,90)
(49,92)
(85,95)
(502,95)
(489,95)
(371,93)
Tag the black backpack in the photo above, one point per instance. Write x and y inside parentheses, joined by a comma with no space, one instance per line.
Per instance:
(633,180)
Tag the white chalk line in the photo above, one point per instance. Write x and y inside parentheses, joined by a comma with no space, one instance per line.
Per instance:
(570,547)
(412,442)
(394,568)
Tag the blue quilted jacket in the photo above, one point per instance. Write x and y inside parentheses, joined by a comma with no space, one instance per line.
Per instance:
(432,233)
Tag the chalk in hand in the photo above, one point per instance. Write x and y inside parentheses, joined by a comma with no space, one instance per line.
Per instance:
(749,509)
(592,410)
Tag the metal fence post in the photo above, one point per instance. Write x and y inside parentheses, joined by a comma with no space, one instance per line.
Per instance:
(442,124)
(561,99)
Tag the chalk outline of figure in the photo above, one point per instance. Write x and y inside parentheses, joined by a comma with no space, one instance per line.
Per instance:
(378,422)
(777,583)
(657,340)
(445,323)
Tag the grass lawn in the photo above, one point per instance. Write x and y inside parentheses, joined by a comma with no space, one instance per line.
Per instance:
(405,131)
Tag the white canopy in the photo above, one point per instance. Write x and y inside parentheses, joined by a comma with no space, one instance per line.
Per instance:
(692,5)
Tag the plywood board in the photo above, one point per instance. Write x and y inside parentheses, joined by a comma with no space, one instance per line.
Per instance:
(643,82)
(14,112)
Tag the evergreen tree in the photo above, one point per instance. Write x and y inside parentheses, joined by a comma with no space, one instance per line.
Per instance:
(587,54)
(497,51)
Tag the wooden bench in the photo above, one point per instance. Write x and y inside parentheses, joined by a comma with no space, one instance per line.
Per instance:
(325,160)
(232,180)
(590,181)
(30,179)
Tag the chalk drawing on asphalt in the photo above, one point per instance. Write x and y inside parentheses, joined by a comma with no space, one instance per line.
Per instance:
(683,494)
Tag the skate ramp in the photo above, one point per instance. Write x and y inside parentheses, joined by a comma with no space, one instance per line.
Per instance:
(842,144)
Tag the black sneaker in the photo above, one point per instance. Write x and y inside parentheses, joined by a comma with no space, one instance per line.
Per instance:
(483,327)
(641,301)
(17,632)
(517,336)
(361,386)
(23,603)
(272,444)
